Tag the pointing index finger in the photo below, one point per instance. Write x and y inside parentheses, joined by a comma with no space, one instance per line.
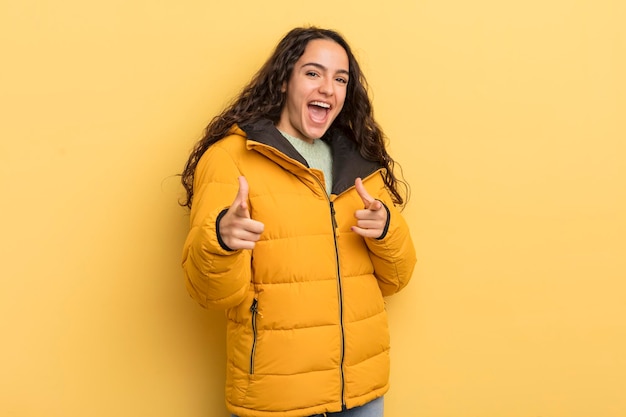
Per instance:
(362,191)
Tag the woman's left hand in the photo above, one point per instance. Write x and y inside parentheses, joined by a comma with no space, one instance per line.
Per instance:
(371,221)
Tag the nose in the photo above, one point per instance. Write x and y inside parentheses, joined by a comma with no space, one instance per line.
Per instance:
(327,87)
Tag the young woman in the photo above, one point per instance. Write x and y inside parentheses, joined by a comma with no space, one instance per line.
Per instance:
(295,232)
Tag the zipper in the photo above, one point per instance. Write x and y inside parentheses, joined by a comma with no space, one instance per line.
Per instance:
(340,293)
(254,310)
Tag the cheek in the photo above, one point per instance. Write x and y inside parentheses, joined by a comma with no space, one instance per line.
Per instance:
(296,95)
(342,100)
(292,101)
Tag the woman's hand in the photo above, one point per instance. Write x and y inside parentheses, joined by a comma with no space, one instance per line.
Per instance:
(371,221)
(236,228)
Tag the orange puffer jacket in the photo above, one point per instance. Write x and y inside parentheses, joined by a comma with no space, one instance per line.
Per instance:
(307,327)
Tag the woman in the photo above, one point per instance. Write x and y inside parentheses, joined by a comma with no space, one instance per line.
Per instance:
(295,232)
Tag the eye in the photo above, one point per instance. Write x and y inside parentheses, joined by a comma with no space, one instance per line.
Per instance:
(312,74)
(341,80)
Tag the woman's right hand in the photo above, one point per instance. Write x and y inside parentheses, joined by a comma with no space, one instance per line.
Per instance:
(236,228)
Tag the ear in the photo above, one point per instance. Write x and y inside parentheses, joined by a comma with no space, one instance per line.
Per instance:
(283,87)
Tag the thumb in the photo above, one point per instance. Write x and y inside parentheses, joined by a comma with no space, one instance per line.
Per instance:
(240,205)
(368,200)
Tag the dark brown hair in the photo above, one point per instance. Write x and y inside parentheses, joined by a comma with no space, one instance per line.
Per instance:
(262,98)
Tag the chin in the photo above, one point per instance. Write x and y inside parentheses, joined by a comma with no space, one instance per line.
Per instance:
(317,132)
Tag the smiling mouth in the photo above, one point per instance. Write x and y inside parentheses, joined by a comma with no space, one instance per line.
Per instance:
(320,104)
(319,111)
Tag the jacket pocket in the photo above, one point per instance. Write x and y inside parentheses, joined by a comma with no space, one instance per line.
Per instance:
(255,311)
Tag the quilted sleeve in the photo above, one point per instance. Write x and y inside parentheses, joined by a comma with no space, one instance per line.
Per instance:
(216,278)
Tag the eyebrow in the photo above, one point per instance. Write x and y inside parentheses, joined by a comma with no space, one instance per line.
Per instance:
(323,68)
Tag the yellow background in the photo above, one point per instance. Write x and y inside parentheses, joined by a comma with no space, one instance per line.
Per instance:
(507,116)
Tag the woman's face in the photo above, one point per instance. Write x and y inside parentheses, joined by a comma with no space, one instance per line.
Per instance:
(316,90)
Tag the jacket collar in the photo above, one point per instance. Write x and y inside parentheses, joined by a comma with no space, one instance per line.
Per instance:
(348,164)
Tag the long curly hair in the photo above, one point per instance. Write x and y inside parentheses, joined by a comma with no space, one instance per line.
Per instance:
(262,98)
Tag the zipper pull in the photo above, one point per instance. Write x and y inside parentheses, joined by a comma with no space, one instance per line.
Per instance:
(253,307)
(332,215)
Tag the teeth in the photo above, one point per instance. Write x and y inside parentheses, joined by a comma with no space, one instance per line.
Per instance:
(320,104)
